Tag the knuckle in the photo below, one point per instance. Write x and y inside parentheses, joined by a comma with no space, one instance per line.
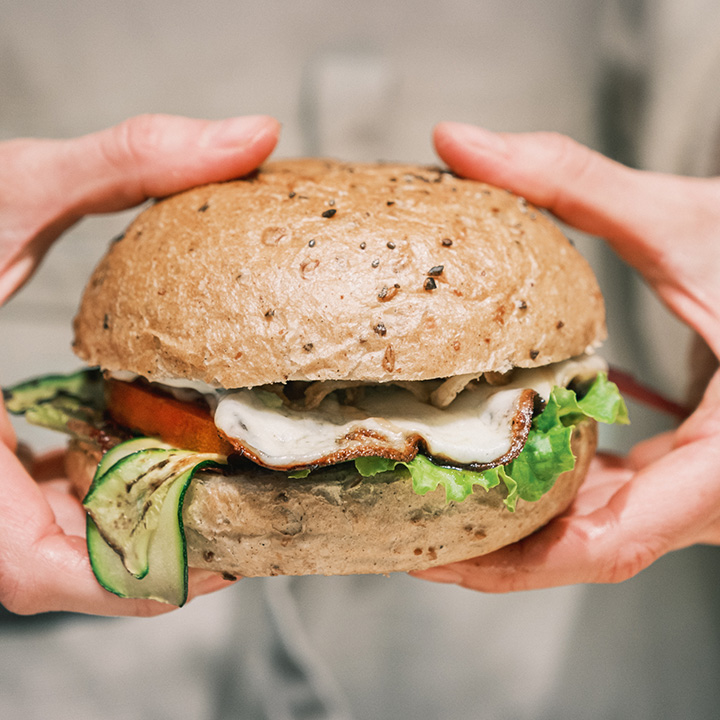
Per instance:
(618,554)
(570,157)
(630,560)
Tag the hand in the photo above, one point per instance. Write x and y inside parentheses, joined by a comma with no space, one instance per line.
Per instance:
(666,494)
(45,187)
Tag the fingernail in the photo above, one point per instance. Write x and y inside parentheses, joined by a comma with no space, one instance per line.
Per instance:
(475,136)
(237,131)
(442,574)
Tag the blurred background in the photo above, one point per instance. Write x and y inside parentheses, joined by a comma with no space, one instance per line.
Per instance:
(636,79)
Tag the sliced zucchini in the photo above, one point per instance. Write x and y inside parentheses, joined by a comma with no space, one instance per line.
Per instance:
(124,449)
(135,536)
(167,576)
(125,501)
(85,386)
(73,404)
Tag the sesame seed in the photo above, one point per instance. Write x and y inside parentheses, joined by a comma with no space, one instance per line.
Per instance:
(388,293)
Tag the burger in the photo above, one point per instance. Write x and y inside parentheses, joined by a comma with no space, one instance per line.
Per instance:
(327,368)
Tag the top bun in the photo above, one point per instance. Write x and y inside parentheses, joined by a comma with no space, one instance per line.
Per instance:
(315,270)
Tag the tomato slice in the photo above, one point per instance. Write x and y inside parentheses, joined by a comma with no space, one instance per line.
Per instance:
(150,412)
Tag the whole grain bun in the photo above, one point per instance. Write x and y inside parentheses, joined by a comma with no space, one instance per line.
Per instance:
(315,270)
(258,522)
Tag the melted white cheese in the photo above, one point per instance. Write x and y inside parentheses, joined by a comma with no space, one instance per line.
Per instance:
(475,428)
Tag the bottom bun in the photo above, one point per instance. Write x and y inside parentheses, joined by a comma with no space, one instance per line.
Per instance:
(258,522)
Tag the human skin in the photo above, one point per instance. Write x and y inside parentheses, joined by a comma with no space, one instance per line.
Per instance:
(629,512)
(45,187)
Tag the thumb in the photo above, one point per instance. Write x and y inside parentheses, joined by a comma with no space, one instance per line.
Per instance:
(47,185)
(157,155)
(663,225)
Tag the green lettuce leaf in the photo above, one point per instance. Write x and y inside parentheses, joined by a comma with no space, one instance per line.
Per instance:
(299,474)
(546,455)
(426,475)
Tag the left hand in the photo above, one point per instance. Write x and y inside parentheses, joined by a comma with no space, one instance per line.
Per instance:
(665,495)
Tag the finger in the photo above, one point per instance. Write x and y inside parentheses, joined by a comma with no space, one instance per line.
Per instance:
(649,451)
(648,218)
(705,421)
(154,156)
(58,577)
(54,574)
(143,157)
(67,510)
(47,185)
(607,474)
(580,186)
